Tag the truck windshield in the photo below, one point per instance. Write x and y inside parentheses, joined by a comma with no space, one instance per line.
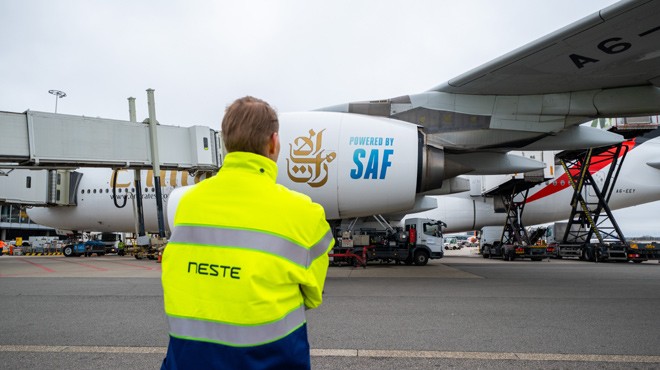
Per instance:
(432,229)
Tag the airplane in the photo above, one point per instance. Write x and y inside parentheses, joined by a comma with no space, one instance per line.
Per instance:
(388,156)
(638,182)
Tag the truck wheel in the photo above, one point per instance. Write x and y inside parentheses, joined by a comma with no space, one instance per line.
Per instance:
(505,255)
(68,251)
(421,258)
(583,255)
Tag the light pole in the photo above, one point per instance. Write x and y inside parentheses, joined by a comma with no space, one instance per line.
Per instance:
(58,94)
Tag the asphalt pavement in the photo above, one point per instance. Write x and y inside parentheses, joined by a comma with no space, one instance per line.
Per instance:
(458,312)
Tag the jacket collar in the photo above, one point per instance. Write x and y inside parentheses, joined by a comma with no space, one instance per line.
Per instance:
(251,162)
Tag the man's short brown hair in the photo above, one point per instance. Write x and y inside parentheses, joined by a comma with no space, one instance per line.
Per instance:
(248,124)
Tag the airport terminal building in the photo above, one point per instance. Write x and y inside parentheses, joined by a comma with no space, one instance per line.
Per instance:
(14,222)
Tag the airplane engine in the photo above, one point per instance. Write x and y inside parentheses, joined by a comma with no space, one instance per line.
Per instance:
(354,165)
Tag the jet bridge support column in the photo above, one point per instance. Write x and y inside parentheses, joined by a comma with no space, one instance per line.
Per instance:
(137,178)
(154,159)
(590,213)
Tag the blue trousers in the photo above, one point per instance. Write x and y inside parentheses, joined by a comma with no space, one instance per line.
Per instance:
(288,353)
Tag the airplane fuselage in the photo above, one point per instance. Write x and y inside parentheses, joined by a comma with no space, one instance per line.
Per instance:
(549,201)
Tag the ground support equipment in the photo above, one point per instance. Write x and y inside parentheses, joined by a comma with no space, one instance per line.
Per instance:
(592,232)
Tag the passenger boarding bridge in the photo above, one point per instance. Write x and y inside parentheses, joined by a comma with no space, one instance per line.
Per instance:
(56,144)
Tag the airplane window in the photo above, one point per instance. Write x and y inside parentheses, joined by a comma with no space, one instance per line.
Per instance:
(132,190)
(146,190)
(153,189)
(88,191)
(107,190)
(94,191)
(82,191)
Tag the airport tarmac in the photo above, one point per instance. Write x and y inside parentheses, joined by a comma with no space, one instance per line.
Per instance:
(461,311)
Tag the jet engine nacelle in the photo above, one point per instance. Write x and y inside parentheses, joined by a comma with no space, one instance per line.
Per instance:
(353,165)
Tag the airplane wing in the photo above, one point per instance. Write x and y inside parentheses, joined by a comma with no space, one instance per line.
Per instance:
(534,98)
(616,47)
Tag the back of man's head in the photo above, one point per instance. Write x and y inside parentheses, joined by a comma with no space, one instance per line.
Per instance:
(248,125)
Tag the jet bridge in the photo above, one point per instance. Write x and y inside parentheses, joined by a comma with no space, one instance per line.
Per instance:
(49,140)
(39,187)
(39,151)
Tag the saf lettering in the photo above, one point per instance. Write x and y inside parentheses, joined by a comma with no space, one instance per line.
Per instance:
(368,168)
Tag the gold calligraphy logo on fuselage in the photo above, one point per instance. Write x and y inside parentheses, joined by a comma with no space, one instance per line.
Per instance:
(308,162)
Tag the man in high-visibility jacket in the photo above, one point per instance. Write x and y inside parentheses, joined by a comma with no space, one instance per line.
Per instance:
(246,258)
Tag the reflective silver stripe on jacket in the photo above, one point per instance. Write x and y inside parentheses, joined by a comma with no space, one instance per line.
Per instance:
(254,240)
(237,335)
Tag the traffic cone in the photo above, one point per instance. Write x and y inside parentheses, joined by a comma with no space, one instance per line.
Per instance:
(160,257)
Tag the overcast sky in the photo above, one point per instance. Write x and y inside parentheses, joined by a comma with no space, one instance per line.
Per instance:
(199,55)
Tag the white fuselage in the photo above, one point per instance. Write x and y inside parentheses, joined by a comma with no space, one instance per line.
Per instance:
(637,183)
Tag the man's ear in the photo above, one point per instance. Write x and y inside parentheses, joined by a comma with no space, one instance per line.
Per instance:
(274,146)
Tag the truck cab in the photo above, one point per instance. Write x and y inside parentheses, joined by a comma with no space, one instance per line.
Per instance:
(431,239)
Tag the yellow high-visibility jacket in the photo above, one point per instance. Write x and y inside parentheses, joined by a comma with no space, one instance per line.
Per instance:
(245,258)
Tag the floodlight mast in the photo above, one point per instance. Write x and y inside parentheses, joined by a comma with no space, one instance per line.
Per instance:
(58,94)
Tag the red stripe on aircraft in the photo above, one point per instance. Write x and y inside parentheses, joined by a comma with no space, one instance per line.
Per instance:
(597,163)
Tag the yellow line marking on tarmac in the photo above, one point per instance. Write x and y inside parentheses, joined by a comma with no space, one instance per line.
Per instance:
(317,352)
